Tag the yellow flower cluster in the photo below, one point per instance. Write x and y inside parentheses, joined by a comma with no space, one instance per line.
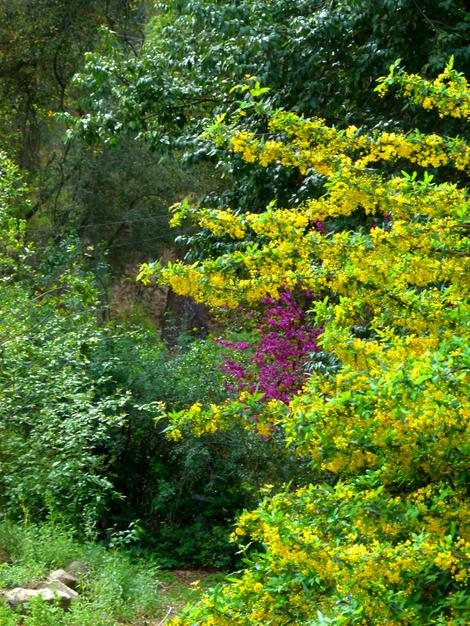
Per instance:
(448,93)
(348,148)
(289,250)
(222,223)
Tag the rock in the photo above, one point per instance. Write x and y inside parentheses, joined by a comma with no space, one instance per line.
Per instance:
(51,590)
(16,597)
(64,577)
(59,586)
(77,568)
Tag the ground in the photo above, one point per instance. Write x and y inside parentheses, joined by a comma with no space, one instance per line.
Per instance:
(178,588)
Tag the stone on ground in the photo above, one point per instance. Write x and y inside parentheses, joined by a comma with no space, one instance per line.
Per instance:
(16,597)
(64,577)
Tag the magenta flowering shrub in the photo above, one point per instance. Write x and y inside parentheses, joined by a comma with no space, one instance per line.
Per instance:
(275,364)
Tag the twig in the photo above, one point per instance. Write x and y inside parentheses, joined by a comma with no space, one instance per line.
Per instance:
(166,617)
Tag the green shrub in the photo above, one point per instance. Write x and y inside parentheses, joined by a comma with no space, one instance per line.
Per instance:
(58,418)
(186,495)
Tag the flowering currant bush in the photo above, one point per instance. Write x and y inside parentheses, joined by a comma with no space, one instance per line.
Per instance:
(384,539)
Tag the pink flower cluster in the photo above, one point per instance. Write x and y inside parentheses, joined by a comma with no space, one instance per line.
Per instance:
(276,367)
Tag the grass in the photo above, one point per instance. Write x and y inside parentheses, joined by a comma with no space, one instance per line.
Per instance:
(118,587)
(181,587)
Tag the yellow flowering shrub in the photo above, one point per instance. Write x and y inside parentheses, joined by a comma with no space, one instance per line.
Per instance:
(447,94)
(385,538)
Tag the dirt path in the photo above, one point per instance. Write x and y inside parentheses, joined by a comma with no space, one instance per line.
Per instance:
(178,588)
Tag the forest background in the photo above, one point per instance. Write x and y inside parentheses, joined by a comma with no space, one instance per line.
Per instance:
(111,390)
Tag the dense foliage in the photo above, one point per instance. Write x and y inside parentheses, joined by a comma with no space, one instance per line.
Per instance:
(314,57)
(317,58)
(384,535)
(41,46)
(79,400)
(187,494)
(295,360)
(55,420)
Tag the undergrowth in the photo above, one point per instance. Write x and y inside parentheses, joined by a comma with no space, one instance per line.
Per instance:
(117,585)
